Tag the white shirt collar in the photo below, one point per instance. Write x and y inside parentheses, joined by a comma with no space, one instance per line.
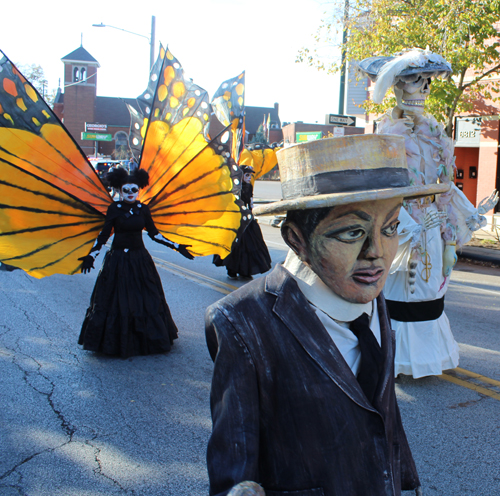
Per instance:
(320,295)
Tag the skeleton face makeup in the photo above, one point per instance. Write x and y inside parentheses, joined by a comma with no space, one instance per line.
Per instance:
(247,177)
(411,94)
(129,192)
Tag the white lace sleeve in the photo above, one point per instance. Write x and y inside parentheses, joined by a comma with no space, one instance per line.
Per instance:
(409,233)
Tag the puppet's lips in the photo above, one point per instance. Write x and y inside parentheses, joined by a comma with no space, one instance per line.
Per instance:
(368,276)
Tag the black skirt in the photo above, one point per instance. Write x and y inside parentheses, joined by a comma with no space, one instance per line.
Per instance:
(128,313)
(249,256)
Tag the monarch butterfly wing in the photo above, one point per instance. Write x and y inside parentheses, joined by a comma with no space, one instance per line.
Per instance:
(262,160)
(228,104)
(139,118)
(229,99)
(193,189)
(43,230)
(201,206)
(37,151)
(138,125)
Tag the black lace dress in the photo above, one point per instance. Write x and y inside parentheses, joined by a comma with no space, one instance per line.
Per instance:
(128,314)
(249,255)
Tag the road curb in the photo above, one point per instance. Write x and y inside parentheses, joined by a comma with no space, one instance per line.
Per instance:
(479,254)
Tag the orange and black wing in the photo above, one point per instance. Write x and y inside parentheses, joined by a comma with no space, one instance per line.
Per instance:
(139,118)
(228,105)
(262,159)
(193,190)
(52,202)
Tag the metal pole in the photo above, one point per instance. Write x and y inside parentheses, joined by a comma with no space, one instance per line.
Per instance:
(152,41)
(343,57)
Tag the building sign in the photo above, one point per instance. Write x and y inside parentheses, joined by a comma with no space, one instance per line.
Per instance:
(310,136)
(468,131)
(97,136)
(340,120)
(100,128)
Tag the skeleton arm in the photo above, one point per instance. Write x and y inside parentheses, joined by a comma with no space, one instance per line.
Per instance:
(486,204)
(477,220)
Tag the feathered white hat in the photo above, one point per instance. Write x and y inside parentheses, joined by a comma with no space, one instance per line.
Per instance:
(387,70)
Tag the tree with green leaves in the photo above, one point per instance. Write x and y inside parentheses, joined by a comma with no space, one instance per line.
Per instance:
(464,32)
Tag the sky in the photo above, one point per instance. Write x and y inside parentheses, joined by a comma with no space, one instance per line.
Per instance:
(214,40)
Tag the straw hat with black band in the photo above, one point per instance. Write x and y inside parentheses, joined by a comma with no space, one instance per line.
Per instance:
(338,171)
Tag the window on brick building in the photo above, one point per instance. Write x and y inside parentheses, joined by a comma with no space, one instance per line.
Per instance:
(79,74)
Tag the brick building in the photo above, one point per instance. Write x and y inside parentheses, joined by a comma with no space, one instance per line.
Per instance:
(79,104)
(477,135)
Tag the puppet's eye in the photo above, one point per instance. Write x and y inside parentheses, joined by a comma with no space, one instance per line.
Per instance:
(350,235)
(392,229)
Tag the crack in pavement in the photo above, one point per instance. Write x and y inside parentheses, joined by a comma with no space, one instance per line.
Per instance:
(99,469)
(17,486)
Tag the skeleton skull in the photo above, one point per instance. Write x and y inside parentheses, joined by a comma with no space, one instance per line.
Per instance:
(411,93)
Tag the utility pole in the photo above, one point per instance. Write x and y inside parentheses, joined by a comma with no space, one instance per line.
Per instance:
(152,42)
(343,60)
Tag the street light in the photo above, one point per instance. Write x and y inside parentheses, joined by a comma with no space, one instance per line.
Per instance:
(151,38)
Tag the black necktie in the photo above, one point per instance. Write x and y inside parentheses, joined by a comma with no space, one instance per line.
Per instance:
(372,358)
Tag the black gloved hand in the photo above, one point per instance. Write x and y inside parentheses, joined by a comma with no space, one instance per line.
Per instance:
(87,263)
(183,251)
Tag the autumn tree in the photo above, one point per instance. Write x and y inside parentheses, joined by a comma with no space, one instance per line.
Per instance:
(464,32)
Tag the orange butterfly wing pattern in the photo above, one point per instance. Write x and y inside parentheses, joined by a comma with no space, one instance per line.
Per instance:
(53,203)
(193,188)
(262,160)
(229,107)
(139,119)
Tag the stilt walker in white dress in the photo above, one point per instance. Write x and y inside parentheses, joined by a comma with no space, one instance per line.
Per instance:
(440,224)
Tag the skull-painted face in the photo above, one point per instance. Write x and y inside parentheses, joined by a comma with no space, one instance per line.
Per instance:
(411,93)
(129,192)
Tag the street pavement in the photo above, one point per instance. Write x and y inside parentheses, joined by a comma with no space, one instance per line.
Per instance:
(78,423)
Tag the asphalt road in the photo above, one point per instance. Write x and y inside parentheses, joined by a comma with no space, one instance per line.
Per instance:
(76,423)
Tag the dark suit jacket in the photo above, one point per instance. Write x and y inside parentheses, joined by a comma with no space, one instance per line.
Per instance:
(287,410)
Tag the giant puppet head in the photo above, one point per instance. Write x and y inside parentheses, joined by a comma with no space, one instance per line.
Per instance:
(342,198)
(409,73)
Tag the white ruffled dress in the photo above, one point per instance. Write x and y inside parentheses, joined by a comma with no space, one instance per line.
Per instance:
(427,347)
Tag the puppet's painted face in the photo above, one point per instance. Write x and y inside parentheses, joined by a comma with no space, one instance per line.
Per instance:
(411,94)
(353,247)
(247,177)
(129,192)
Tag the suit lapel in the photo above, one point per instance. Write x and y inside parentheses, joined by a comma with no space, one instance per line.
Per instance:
(296,313)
